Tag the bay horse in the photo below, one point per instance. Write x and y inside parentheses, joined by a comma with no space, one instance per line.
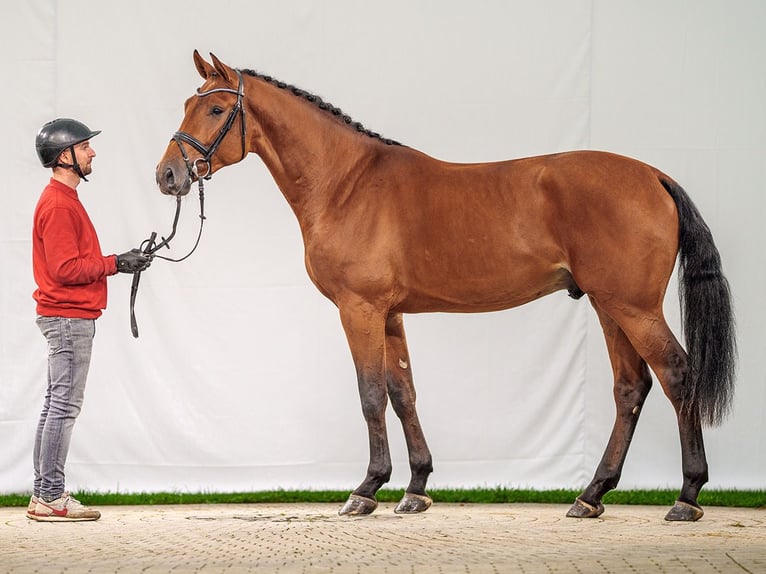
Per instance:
(389,230)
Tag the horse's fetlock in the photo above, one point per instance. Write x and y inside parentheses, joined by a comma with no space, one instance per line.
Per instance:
(696,477)
(422,467)
(379,474)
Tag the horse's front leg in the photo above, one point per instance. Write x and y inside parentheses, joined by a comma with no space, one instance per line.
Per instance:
(401,391)
(364,325)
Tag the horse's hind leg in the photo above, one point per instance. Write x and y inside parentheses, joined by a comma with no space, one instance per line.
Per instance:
(632,382)
(653,339)
(401,392)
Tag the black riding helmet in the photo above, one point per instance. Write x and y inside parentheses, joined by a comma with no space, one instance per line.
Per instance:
(58,135)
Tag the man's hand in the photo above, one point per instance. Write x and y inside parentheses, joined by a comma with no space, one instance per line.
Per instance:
(133,261)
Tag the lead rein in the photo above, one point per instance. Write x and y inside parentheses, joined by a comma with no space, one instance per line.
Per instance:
(148,247)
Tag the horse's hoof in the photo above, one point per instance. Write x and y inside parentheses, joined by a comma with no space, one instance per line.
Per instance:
(684,512)
(358,505)
(581,509)
(413,503)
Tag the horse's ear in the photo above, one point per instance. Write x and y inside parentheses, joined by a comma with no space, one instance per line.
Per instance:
(223,70)
(204,69)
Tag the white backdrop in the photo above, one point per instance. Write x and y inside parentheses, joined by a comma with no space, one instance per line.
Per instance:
(241,378)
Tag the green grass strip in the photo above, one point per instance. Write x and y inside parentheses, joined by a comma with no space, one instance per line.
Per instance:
(732,498)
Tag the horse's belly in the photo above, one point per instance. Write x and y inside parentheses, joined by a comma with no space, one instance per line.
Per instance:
(477,294)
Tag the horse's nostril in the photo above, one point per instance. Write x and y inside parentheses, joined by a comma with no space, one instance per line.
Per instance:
(169,177)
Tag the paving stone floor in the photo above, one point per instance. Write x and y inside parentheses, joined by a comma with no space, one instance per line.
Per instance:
(448,538)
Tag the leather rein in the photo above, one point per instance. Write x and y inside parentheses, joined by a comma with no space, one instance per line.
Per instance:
(149,246)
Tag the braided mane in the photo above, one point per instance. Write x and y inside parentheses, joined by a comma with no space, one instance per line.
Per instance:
(322,105)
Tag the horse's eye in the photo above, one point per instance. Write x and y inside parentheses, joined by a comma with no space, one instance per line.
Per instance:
(216,111)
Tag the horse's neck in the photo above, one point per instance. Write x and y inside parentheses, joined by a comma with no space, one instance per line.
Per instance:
(307,151)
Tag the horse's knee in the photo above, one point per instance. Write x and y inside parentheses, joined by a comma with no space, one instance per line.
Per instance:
(402,399)
(373,409)
(373,398)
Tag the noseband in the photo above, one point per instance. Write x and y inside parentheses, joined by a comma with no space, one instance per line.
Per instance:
(150,246)
(207,151)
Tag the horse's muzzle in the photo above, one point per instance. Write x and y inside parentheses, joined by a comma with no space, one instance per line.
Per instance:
(173,178)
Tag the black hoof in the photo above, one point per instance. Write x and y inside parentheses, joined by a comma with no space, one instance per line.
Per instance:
(581,509)
(358,505)
(413,503)
(684,512)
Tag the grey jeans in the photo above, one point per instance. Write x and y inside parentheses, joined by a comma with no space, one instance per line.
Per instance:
(69,349)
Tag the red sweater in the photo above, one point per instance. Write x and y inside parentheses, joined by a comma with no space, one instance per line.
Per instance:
(68,266)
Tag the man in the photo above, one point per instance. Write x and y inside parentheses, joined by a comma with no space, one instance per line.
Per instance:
(70,272)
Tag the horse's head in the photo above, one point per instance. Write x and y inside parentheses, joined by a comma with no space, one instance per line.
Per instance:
(203,144)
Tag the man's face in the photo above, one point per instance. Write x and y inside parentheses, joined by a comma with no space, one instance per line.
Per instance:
(84,154)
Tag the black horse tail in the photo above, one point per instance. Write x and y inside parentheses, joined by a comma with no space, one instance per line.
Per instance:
(707,315)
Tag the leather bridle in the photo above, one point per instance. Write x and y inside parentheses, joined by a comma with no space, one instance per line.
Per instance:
(207,151)
(149,246)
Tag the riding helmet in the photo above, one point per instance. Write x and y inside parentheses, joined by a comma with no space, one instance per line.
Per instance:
(56,136)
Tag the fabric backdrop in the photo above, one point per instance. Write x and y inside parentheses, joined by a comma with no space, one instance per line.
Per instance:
(241,378)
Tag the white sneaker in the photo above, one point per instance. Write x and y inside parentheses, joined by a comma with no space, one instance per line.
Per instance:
(32,506)
(64,509)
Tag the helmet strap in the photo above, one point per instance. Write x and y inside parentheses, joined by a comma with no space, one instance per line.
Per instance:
(74,165)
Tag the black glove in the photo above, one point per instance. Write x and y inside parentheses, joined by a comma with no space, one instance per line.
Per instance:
(133,261)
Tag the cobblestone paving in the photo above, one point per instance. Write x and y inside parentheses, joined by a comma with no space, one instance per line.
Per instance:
(449,538)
